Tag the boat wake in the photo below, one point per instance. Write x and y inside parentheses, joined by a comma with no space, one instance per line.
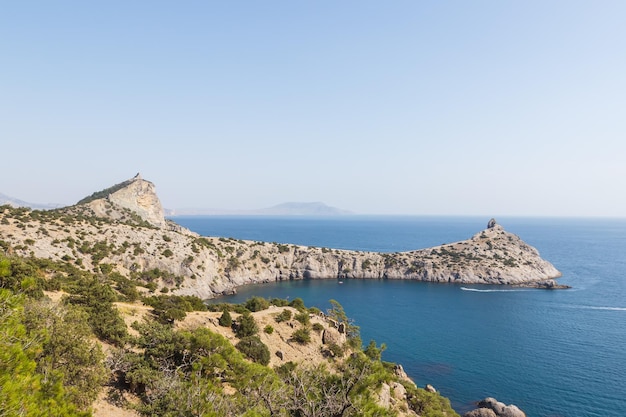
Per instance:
(478,290)
(603,308)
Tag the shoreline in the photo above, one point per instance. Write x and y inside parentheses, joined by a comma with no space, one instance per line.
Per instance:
(541,285)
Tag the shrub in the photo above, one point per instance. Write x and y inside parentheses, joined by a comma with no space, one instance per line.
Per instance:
(302,336)
(257,304)
(303,318)
(97,301)
(285,315)
(336,350)
(225,319)
(126,287)
(298,304)
(314,310)
(268,329)
(427,403)
(318,327)
(279,302)
(246,326)
(373,352)
(168,308)
(254,349)
(233,263)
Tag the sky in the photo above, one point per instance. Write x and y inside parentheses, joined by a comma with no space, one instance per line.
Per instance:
(513,108)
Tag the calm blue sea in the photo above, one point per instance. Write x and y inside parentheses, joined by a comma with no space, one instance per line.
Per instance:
(552,353)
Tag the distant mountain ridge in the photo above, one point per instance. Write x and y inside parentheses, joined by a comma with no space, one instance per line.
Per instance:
(15,202)
(284,209)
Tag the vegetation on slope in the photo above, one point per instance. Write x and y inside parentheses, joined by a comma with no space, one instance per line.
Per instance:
(104,193)
(51,364)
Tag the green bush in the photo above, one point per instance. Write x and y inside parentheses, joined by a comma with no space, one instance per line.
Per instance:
(254,349)
(257,304)
(279,302)
(246,326)
(336,350)
(428,404)
(303,318)
(282,248)
(97,300)
(298,304)
(225,319)
(373,352)
(68,350)
(314,310)
(168,308)
(285,315)
(268,329)
(302,336)
(125,287)
(23,389)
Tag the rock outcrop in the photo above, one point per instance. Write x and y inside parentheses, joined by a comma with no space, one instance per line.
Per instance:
(137,195)
(124,226)
(490,407)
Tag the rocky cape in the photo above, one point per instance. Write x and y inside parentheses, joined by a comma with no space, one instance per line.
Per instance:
(123,228)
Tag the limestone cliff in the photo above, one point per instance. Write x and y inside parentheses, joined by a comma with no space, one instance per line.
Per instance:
(137,195)
(123,227)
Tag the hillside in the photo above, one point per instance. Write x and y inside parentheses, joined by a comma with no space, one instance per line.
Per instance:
(122,317)
(87,346)
(126,230)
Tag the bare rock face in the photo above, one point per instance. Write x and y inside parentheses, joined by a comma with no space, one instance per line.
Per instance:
(398,391)
(138,196)
(398,370)
(384,395)
(480,412)
(332,335)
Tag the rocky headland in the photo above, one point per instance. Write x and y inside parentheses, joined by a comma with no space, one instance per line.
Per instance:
(124,228)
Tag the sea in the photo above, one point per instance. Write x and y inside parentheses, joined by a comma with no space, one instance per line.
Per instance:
(553,353)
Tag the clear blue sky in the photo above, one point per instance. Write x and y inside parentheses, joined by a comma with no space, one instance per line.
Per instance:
(396,107)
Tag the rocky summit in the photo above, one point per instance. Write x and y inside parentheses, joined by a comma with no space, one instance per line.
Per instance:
(123,229)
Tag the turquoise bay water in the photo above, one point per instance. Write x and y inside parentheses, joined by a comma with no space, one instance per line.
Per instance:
(553,353)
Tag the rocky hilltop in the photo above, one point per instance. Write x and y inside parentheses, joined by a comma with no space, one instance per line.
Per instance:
(123,229)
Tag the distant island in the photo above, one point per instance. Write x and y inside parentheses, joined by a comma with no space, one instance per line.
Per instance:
(292,208)
(285,209)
